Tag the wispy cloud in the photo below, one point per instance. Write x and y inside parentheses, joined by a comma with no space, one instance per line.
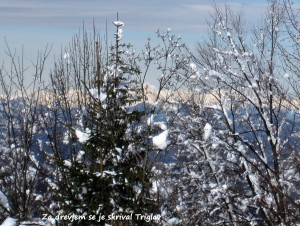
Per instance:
(184,16)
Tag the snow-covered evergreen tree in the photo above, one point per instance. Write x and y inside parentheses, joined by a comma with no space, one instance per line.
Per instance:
(108,173)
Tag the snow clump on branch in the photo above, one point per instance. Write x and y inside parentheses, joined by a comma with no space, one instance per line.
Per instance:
(160,141)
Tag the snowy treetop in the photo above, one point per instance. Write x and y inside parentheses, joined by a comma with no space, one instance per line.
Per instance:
(118,23)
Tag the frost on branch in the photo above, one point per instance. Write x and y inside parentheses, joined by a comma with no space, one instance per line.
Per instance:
(67,58)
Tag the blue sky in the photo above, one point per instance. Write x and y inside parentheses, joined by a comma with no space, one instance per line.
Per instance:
(35,23)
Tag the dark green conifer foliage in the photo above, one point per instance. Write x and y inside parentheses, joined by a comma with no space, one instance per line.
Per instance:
(113,177)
